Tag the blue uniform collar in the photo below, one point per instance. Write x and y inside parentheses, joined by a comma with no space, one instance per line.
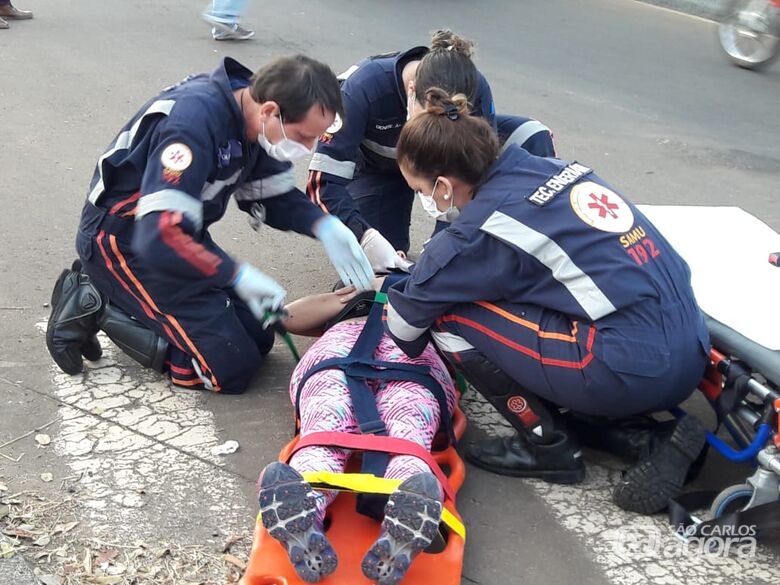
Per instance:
(508,160)
(400,61)
(221,77)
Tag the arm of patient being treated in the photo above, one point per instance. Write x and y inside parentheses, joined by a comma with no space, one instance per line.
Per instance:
(308,315)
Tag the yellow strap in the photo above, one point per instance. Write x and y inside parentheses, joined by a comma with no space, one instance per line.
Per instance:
(367,483)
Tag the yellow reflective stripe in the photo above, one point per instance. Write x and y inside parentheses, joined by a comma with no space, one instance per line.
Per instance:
(370,484)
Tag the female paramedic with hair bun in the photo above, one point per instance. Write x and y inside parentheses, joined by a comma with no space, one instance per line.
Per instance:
(292,512)
(354,174)
(549,290)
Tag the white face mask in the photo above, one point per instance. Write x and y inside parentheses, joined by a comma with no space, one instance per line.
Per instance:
(285,149)
(430,207)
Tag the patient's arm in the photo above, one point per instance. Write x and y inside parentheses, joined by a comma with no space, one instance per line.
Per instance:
(308,315)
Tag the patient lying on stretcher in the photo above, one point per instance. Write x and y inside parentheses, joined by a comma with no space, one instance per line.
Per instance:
(292,511)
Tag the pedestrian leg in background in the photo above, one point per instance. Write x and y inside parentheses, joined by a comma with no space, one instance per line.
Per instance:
(9,12)
(224,16)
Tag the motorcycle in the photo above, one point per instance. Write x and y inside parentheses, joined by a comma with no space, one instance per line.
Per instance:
(749,32)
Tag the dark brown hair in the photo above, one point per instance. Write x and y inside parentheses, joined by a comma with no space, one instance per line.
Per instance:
(444,140)
(296,84)
(447,65)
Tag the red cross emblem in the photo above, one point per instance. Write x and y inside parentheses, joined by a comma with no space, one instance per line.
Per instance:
(603,205)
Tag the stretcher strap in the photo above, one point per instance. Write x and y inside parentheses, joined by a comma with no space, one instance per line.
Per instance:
(375,443)
(367,483)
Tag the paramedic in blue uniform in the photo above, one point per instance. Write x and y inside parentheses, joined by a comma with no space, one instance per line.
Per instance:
(549,290)
(354,174)
(149,274)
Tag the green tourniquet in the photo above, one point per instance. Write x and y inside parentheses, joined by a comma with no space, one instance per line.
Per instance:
(460,382)
(288,340)
(278,315)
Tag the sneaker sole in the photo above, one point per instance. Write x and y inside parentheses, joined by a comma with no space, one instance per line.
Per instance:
(288,509)
(647,487)
(411,523)
(233,37)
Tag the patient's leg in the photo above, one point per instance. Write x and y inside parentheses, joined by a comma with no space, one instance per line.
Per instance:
(325,406)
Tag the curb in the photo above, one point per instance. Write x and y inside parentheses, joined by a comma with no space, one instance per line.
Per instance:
(15,570)
(711,9)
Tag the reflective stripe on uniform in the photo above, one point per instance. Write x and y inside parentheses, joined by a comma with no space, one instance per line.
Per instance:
(340,168)
(380,149)
(124,140)
(345,75)
(581,286)
(450,342)
(211,190)
(171,200)
(267,187)
(523,132)
(400,328)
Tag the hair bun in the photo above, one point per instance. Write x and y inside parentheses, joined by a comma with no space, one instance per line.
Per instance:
(446,40)
(441,104)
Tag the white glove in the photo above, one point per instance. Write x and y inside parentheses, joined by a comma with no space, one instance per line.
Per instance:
(259,291)
(345,254)
(380,252)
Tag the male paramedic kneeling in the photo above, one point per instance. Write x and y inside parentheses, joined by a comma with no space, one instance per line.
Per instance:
(549,290)
(149,274)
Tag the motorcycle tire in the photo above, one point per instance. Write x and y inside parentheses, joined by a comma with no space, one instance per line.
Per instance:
(750,37)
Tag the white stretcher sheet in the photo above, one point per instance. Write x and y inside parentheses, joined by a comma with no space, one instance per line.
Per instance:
(728,251)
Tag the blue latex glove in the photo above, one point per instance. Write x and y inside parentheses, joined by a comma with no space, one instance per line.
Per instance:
(259,291)
(344,252)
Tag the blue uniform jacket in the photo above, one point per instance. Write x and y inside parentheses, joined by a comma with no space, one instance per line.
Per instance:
(549,233)
(375,110)
(172,169)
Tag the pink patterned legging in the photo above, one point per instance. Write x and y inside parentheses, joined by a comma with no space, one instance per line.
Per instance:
(408,410)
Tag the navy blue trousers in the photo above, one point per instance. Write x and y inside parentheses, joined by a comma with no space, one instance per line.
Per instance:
(215,341)
(622,365)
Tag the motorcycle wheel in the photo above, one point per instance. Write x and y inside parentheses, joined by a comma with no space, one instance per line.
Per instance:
(748,34)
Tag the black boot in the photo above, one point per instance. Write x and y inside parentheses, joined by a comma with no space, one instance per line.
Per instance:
(542,447)
(134,338)
(559,461)
(648,486)
(70,333)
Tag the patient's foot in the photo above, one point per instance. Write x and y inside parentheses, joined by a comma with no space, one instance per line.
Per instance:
(412,516)
(289,511)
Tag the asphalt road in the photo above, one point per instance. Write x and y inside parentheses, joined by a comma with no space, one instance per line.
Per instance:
(639,93)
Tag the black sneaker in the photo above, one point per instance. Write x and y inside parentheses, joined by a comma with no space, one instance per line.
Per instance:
(289,512)
(647,487)
(411,523)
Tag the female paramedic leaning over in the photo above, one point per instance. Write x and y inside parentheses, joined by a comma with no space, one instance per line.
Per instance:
(354,174)
(549,290)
